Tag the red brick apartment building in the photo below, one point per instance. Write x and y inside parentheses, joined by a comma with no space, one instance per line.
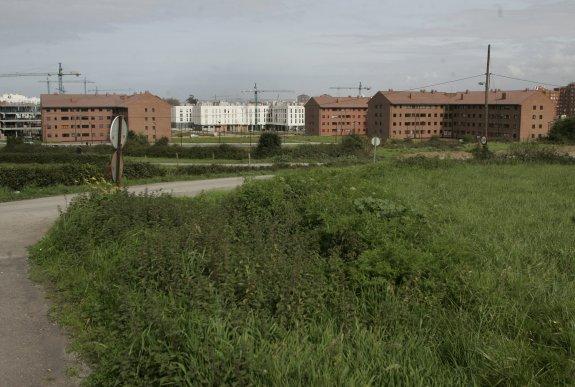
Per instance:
(566,104)
(87,118)
(332,116)
(519,115)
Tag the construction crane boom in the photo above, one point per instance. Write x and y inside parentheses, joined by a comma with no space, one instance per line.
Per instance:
(359,88)
(60,74)
(96,90)
(256,92)
(84,82)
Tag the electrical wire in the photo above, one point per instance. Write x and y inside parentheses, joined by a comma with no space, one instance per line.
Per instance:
(445,83)
(526,80)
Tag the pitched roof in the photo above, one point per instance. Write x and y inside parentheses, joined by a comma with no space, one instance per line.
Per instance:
(92,100)
(512,97)
(82,100)
(327,101)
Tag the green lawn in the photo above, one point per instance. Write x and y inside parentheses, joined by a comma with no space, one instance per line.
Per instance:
(402,273)
(159,160)
(8,195)
(245,139)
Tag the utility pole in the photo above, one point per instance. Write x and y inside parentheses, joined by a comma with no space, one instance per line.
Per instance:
(487,85)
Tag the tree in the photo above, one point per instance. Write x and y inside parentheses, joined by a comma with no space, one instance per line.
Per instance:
(563,130)
(270,143)
(173,101)
(352,143)
(137,139)
(191,100)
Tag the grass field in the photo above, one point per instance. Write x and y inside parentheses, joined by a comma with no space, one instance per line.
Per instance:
(245,139)
(8,195)
(403,273)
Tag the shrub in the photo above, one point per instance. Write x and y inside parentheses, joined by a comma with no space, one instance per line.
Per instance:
(482,152)
(563,130)
(269,144)
(143,170)
(17,177)
(46,158)
(164,141)
(13,141)
(532,151)
(138,139)
(353,143)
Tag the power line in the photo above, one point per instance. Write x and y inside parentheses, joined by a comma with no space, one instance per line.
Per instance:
(526,80)
(445,83)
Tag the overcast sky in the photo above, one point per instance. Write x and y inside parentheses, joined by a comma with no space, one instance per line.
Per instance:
(220,47)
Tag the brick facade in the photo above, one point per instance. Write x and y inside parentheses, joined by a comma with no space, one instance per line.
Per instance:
(81,118)
(333,116)
(566,103)
(515,115)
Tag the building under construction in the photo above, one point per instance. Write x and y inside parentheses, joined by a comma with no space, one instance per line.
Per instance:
(20,117)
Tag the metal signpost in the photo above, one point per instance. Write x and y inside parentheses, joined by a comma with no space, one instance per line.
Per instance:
(375,141)
(118,138)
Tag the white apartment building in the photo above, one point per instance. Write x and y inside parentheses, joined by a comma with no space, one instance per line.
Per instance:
(238,117)
(286,115)
(19,116)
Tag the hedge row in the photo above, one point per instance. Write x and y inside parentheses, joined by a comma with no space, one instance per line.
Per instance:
(223,151)
(193,170)
(18,177)
(46,158)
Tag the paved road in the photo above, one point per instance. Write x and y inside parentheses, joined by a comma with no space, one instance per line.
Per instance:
(32,348)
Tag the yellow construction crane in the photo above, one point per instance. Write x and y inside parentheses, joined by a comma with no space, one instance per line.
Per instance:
(60,74)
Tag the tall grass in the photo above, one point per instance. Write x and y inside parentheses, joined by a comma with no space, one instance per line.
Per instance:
(376,275)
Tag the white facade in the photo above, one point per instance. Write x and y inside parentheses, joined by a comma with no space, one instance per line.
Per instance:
(287,115)
(17,98)
(224,116)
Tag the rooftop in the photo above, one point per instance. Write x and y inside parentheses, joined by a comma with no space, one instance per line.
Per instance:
(88,100)
(496,97)
(327,101)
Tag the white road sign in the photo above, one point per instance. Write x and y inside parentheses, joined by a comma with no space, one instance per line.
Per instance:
(375,141)
(115,130)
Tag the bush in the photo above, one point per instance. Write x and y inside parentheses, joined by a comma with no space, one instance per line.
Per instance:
(353,143)
(46,158)
(164,141)
(269,144)
(13,141)
(563,131)
(482,152)
(137,139)
(18,177)
(532,151)
(143,170)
